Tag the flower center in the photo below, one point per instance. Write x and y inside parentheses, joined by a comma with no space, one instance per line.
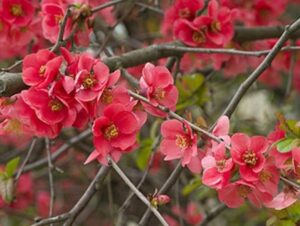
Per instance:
(221,164)
(55,105)
(264,176)
(243,190)
(42,70)
(198,37)
(111,132)
(250,158)
(184,13)
(89,82)
(159,94)
(182,141)
(215,26)
(107,97)
(16,10)
(58,18)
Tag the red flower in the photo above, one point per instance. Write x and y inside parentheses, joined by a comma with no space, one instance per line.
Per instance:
(92,78)
(53,14)
(178,141)
(214,29)
(41,68)
(17,12)
(184,9)
(114,133)
(157,83)
(248,154)
(217,168)
(49,109)
(234,194)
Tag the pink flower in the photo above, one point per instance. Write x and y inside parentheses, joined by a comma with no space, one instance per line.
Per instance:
(217,168)
(195,164)
(41,68)
(221,130)
(17,12)
(284,199)
(53,14)
(268,178)
(93,77)
(234,194)
(248,154)
(179,142)
(158,85)
(114,133)
(184,9)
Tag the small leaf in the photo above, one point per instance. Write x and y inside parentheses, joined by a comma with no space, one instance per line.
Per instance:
(6,189)
(143,154)
(192,186)
(11,166)
(287,144)
(293,126)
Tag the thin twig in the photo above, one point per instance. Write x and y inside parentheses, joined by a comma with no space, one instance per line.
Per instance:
(127,201)
(150,7)
(82,202)
(88,194)
(213,213)
(261,68)
(31,148)
(166,186)
(291,71)
(176,116)
(106,5)
(59,151)
(50,175)
(62,26)
(138,193)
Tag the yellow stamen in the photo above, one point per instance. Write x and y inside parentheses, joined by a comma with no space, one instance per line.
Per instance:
(111,132)
(16,10)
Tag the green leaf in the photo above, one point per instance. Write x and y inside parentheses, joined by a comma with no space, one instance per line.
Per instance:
(293,126)
(7,189)
(11,166)
(287,144)
(192,186)
(144,153)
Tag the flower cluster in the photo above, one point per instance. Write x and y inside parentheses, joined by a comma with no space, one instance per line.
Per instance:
(23,22)
(213,29)
(212,26)
(239,167)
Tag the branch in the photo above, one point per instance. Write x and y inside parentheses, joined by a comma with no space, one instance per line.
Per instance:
(50,175)
(213,213)
(88,194)
(82,202)
(164,189)
(31,148)
(11,83)
(59,151)
(138,193)
(261,68)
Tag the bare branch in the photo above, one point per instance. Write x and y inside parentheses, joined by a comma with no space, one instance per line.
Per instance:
(261,68)
(138,193)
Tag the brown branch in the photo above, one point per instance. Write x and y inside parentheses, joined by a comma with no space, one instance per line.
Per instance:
(59,151)
(290,29)
(82,202)
(11,83)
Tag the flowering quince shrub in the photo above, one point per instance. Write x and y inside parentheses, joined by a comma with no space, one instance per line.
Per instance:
(91,96)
